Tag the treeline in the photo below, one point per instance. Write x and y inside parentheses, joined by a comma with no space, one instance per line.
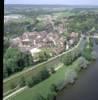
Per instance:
(86,22)
(14,61)
(14,29)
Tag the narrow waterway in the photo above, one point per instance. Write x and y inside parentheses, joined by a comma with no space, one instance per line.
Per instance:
(86,87)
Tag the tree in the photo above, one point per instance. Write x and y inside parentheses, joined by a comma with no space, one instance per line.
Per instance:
(51,96)
(14,60)
(44,74)
(83,62)
(43,55)
(30,83)
(54,88)
(67,59)
(94,55)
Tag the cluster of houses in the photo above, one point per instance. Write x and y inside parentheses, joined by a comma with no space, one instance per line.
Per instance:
(34,42)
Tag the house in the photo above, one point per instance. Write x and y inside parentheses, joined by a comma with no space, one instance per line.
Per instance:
(33,51)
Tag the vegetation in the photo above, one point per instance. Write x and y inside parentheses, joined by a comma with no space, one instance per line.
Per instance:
(83,62)
(71,56)
(44,74)
(50,85)
(14,61)
(22,82)
(43,55)
(83,23)
(87,52)
(6,45)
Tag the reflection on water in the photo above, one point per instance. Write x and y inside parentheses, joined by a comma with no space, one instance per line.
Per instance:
(86,87)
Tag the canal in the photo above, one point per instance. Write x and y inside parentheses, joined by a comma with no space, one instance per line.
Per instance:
(86,87)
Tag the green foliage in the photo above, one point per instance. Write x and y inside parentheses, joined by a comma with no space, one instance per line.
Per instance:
(43,55)
(30,83)
(54,88)
(67,59)
(82,62)
(71,56)
(87,52)
(44,74)
(52,70)
(85,22)
(40,26)
(50,96)
(14,61)
(94,55)
(13,85)
(13,29)
(22,82)
(40,97)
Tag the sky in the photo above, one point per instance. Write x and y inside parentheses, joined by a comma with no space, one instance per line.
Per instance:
(66,2)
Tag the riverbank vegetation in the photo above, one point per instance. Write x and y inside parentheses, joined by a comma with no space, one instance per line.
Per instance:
(66,74)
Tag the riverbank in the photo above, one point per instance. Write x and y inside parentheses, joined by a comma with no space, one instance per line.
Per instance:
(62,74)
(85,88)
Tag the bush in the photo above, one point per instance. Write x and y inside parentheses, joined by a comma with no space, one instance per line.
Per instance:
(44,74)
(13,86)
(22,82)
(40,97)
(87,53)
(54,88)
(67,60)
(51,96)
(94,55)
(37,79)
(52,70)
(30,83)
(71,75)
(71,56)
(83,62)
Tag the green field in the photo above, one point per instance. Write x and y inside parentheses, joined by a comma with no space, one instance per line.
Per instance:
(43,88)
(28,73)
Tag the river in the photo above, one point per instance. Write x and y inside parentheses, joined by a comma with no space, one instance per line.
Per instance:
(86,87)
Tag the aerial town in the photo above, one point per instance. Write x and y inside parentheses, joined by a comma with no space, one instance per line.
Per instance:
(50,52)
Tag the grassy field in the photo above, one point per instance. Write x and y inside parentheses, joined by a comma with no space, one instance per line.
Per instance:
(43,88)
(28,73)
